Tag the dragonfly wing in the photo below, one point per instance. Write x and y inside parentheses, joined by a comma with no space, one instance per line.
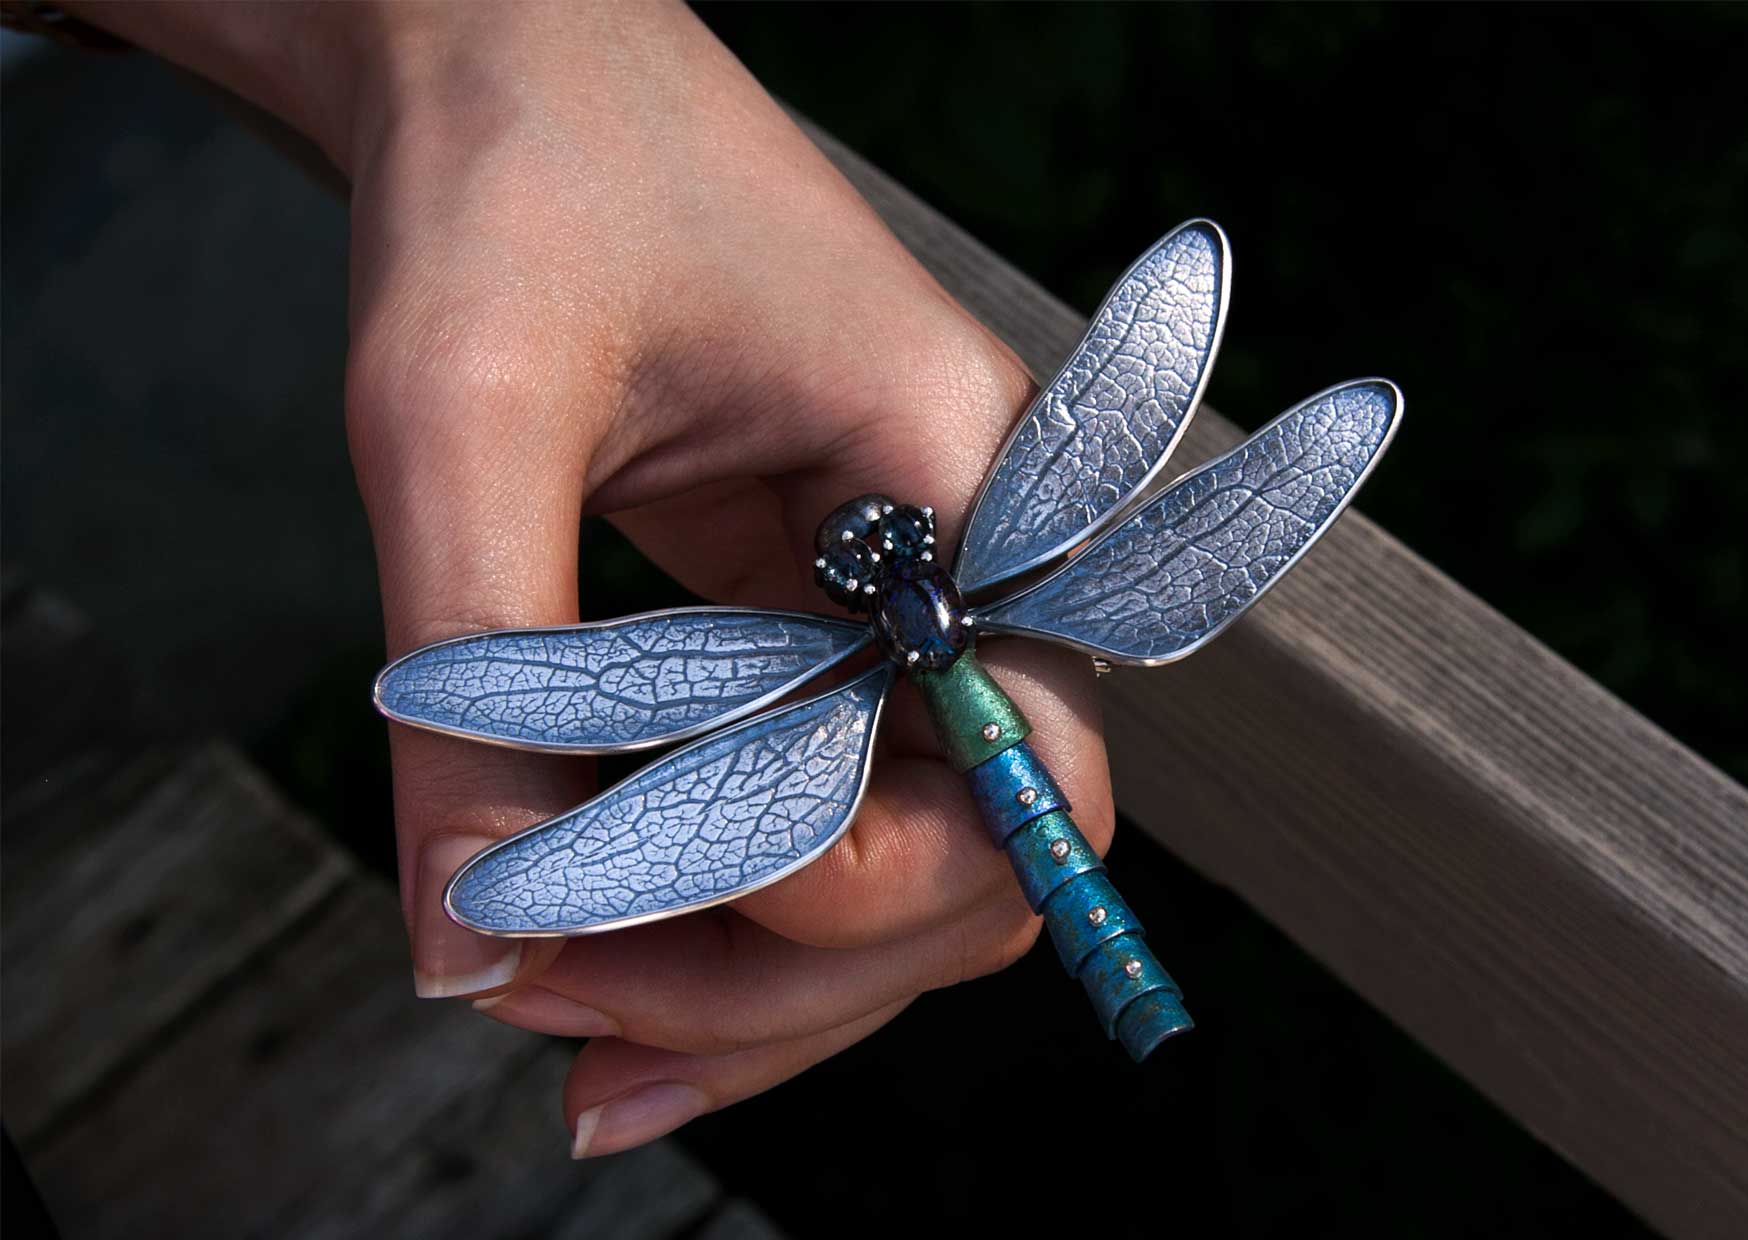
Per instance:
(1189,561)
(614,686)
(710,822)
(1105,425)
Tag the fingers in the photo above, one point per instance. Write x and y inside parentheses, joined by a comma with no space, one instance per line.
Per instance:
(714,982)
(472,481)
(620,1095)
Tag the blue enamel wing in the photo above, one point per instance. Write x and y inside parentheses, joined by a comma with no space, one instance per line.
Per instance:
(1070,541)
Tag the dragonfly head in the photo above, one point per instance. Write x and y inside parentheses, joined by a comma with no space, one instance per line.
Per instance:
(878,556)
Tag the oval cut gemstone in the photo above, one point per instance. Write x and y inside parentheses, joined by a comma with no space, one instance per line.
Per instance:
(918,610)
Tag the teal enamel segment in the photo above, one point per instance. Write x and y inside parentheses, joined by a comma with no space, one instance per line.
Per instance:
(1011,789)
(1096,935)
(1150,1020)
(1084,914)
(973,718)
(1049,852)
(1120,972)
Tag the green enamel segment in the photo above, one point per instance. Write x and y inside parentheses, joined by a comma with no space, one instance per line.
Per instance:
(963,701)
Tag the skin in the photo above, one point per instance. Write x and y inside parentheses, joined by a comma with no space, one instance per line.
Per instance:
(596,270)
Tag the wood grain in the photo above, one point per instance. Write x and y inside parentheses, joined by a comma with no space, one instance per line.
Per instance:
(115,925)
(1529,877)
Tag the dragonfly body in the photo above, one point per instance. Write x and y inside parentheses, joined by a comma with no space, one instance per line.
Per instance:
(764,788)
(878,555)
(1026,814)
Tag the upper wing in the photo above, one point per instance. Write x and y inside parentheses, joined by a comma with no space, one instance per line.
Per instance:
(1106,423)
(618,685)
(1190,560)
(713,821)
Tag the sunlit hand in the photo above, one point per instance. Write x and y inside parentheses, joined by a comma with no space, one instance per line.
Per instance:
(597,270)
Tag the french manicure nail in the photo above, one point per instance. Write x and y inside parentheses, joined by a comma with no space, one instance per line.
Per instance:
(587,1122)
(642,1115)
(536,1007)
(449,961)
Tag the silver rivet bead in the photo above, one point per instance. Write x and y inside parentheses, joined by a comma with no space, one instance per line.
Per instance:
(912,656)
(928,511)
(819,563)
(928,540)
(1025,796)
(1059,850)
(885,508)
(1096,915)
(868,589)
(846,536)
(992,731)
(927,555)
(871,512)
(1133,968)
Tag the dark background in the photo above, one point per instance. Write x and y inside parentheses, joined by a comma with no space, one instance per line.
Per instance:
(1529,217)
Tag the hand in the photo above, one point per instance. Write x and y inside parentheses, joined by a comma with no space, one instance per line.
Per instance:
(597,270)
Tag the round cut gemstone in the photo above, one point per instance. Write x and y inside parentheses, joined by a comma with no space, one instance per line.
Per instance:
(918,611)
(907,531)
(843,571)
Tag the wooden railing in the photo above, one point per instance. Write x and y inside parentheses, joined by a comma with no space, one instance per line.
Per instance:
(1529,877)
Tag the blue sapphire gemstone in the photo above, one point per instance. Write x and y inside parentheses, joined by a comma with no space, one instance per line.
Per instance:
(859,518)
(918,611)
(845,572)
(906,531)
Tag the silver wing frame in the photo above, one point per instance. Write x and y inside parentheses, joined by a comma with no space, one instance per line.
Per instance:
(885,673)
(1118,510)
(710,724)
(985,625)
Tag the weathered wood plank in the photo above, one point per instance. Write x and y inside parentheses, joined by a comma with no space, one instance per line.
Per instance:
(495,1163)
(321,1082)
(126,904)
(1528,876)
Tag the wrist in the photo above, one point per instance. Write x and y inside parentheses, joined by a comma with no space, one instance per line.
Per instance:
(299,61)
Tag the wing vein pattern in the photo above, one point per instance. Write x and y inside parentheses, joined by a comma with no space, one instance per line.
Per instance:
(1107,422)
(714,820)
(1189,561)
(626,684)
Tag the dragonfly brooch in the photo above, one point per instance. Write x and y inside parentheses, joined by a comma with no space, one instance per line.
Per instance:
(1065,542)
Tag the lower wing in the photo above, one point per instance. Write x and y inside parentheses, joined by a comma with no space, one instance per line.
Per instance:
(710,822)
(1188,562)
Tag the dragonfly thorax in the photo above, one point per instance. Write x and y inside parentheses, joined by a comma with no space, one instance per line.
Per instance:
(878,557)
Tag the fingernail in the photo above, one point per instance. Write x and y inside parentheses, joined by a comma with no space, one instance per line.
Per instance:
(640,1116)
(536,1007)
(449,961)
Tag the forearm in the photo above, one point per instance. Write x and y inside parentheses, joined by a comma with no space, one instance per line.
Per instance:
(342,74)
